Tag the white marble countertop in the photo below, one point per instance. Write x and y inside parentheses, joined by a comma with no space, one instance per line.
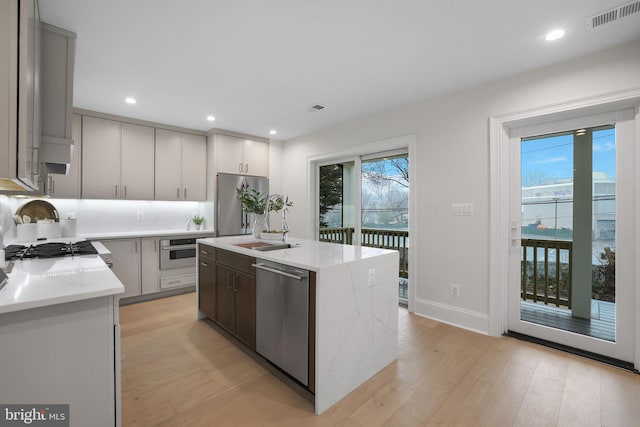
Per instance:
(149,233)
(43,282)
(307,254)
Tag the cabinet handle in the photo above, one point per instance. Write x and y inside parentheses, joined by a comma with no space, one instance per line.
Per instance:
(230,281)
(177,193)
(185,193)
(53,185)
(125,191)
(204,252)
(136,246)
(204,264)
(116,190)
(240,167)
(246,168)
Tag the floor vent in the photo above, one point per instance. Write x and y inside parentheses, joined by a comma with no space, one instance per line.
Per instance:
(612,15)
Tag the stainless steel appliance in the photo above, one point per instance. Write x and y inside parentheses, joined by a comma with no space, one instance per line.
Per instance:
(57,249)
(229,216)
(282,317)
(178,252)
(49,250)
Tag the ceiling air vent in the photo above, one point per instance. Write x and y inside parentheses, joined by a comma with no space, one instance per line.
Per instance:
(630,9)
(316,107)
(612,15)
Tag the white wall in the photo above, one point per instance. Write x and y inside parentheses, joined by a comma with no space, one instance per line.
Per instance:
(452,165)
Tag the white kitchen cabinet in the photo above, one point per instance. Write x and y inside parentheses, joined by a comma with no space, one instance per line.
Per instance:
(181,165)
(136,162)
(117,160)
(66,353)
(256,158)
(150,265)
(68,186)
(100,158)
(239,155)
(125,254)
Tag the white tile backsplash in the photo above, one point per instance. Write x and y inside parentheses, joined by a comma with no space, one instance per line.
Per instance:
(104,216)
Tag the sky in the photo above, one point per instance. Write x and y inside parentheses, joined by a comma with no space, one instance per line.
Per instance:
(551,158)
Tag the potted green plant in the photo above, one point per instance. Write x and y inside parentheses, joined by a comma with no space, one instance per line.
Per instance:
(255,202)
(198,220)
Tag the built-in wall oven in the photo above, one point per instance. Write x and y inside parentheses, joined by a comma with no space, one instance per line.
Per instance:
(178,252)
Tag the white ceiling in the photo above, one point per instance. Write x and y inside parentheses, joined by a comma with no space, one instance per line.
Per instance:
(258,65)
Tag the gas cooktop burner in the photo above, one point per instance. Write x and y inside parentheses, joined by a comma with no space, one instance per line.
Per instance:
(49,250)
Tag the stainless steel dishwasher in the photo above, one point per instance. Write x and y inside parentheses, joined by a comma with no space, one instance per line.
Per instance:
(282,317)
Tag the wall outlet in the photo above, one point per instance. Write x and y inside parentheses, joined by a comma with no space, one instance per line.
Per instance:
(140,216)
(372,277)
(455,290)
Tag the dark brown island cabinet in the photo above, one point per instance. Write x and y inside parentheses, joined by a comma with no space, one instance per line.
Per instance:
(207,281)
(228,292)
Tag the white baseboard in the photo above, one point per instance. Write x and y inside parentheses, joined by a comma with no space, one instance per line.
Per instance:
(455,316)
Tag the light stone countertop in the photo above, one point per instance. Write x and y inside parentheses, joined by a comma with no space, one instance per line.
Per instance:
(43,282)
(307,254)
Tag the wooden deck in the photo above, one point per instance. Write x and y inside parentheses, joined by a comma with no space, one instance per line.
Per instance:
(602,324)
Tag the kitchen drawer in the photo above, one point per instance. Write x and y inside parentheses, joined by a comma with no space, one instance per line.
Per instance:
(177,281)
(237,261)
(207,252)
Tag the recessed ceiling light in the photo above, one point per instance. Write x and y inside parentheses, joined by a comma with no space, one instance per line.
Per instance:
(130,100)
(554,35)
(273,132)
(210,118)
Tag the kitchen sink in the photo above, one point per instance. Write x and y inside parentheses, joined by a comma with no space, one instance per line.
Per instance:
(272,247)
(264,246)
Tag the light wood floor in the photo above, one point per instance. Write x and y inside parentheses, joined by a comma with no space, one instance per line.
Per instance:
(178,371)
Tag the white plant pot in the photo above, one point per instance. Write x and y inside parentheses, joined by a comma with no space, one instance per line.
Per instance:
(259,224)
(271,236)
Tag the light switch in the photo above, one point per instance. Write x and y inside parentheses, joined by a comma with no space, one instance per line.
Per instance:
(465,209)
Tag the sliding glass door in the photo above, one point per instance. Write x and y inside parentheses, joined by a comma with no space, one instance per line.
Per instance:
(337,202)
(365,201)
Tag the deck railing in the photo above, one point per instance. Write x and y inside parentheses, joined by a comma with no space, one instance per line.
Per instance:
(372,237)
(546,271)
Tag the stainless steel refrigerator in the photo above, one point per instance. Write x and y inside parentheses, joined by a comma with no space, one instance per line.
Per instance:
(229,216)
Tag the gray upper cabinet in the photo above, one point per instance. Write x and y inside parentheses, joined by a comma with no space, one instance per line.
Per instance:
(181,166)
(136,162)
(20,61)
(117,160)
(58,53)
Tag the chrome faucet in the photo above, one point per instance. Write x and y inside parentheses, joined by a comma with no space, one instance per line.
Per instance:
(285,225)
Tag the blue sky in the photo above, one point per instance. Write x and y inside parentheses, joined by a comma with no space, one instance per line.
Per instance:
(551,159)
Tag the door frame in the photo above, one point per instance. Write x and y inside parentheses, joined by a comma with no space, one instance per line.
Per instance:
(406,142)
(499,215)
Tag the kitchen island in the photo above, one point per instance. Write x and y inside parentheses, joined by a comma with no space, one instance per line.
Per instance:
(354,330)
